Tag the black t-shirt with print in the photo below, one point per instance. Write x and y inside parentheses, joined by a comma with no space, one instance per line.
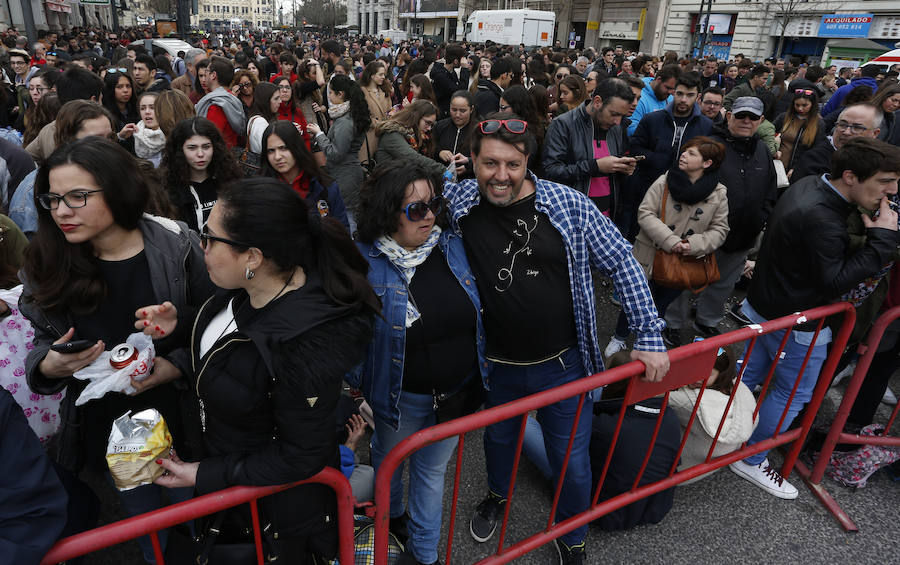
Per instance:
(519,261)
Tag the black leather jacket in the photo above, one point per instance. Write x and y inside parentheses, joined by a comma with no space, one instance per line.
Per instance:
(806,259)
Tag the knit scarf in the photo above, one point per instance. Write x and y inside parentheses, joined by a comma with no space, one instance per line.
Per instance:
(686,192)
(407,261)
(148,142)
(338,110)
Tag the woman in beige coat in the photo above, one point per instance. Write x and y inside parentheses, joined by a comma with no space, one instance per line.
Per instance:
(377,89)
(696,219)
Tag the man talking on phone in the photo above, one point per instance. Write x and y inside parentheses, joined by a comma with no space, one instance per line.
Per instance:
(585,148)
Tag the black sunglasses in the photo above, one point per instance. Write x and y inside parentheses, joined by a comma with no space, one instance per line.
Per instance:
(488,127)
(745,115)
(418,211)
(205,238)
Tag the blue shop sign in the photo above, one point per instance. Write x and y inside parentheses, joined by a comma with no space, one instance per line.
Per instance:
(845,25)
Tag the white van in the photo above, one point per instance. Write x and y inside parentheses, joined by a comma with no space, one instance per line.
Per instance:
(534,28)
(886,61)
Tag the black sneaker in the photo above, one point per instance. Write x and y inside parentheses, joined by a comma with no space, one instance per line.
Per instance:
(397,526)
(407,558)
(484,522)
(706,331)
(738,314)
(570,555)
(672,337)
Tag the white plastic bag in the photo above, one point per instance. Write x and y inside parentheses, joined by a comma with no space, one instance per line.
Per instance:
(104,378)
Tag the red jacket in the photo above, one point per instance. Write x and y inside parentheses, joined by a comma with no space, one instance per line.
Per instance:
(216,115)
(286,111)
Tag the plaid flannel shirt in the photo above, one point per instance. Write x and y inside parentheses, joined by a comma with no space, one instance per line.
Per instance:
(592,241)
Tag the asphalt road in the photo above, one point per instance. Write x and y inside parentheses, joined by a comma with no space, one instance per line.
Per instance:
(719,519)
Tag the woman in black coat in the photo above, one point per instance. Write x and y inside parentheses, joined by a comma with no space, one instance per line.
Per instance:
(264,362)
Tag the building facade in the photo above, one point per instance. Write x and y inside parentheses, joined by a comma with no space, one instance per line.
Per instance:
(370,16)
(220,15)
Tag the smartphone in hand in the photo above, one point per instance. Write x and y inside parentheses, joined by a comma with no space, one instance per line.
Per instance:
(76,346)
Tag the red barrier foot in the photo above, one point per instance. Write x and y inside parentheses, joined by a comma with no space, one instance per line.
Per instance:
(825,498)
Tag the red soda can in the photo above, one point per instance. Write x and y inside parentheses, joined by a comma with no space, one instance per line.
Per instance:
(122,355)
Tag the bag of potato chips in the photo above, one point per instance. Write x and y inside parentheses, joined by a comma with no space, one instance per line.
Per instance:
(135,443)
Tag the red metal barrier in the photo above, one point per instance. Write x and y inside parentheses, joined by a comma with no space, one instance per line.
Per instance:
(688,365)
(836,434)
(151,522)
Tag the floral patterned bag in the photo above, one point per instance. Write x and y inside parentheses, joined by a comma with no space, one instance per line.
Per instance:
(854,468)
(16,335)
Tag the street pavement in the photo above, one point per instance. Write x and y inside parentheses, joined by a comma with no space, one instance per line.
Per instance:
(720,519)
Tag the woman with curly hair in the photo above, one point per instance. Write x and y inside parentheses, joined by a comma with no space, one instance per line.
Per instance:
(408,136)
(350,112)
(197,162)
(36,117)
(242,85)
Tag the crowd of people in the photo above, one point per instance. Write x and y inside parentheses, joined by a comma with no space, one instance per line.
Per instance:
(285,213)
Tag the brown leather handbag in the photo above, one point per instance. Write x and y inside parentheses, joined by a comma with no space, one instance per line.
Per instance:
(673,270)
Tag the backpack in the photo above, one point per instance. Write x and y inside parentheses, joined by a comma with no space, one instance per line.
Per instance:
(364,543)
(853,468)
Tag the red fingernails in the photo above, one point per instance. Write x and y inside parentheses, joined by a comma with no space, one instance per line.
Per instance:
(143,312)
(146,323)
(159,461)
(162,332)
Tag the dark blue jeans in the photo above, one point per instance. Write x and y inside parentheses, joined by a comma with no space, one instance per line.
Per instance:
(510,382)
(662,297)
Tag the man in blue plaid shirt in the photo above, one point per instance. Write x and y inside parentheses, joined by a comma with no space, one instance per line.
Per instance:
(531,244)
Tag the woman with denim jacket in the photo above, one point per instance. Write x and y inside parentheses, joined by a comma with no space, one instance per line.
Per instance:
(428,351)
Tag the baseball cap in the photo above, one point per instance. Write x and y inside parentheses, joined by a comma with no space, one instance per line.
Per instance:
(748,104)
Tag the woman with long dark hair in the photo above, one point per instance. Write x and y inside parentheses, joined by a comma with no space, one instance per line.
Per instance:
(408,136)
(197,163)
(377,90)
(286,158)
(429,342)
(95,261)
(272,369)
(350,112)
(119,98)
(521,102)
(800,127)
(263,111)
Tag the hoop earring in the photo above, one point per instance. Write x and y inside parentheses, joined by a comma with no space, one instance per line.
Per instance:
(248,274)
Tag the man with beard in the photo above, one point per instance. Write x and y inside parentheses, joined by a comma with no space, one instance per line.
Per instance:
(583,148)
(531,241)
(657,94)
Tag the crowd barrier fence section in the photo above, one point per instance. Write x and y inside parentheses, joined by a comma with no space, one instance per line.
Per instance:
(836,435)
(152,522)
(689,364)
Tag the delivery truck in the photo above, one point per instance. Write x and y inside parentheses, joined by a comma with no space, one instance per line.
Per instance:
(534,28)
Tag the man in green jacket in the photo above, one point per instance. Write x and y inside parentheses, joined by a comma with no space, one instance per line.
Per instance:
(756,79)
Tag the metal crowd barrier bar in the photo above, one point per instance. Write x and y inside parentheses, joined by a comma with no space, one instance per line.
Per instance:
(151,522)
(836,434)
(689,364)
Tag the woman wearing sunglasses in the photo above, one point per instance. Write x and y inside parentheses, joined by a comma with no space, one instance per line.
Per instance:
(407,136)
(95,261)
(242,85)
(800,127)
(428,349)
(269,350)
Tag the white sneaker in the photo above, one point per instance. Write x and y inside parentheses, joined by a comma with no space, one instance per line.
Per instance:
(765,477)
(848,371)
(615,345)
(889,397)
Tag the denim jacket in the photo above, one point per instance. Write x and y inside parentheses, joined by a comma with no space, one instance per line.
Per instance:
(380,376)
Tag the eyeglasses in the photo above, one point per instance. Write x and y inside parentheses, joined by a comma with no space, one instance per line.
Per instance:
(38,89)
(245,85)
(19,63)
(418,211)
(206,237)
(855,128)
(74,199)
(561,75)
(488,127)
(284,87)
(711,103)
(803,92)
(746,116)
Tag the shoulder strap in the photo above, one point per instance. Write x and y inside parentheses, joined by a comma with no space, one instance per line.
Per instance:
(662,214)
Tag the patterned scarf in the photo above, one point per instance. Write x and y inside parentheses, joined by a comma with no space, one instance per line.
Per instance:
(407,261)
(338,110)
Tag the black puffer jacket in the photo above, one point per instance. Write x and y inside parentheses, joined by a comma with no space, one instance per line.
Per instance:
(816,161)
(268,398)
(749,175)
(487,101)
(804,260)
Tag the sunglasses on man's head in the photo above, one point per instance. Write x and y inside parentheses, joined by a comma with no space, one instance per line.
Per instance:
(488,127)
(418,211)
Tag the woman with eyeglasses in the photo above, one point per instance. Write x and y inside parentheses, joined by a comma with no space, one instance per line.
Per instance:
(800,127)
(293,314)
(242,86)
(40,83)
(286,158)
(95,261)
(426,362)
(197,164)
(562,71)
(341,145)
(408,136)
